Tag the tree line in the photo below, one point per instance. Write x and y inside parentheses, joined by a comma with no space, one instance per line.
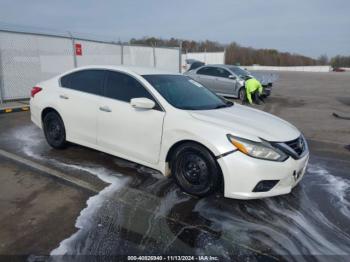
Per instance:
(340,61)
(237,54)
(269,57)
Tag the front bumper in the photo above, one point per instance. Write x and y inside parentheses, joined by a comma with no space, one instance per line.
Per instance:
(242,173)
(267,91)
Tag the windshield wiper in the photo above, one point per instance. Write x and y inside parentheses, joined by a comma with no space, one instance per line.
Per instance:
(221,106)
(227,104)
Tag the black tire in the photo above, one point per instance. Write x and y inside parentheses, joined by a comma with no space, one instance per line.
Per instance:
(54,130)
(195,170)
(241,94)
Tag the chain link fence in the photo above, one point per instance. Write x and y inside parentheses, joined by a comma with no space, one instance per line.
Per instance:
(28,58)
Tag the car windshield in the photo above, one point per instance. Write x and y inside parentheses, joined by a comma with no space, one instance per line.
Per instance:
(184,93)
(239,71)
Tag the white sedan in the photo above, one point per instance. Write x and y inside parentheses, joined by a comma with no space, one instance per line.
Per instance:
(173,124)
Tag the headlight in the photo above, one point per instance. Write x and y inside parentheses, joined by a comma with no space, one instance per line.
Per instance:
(262,150)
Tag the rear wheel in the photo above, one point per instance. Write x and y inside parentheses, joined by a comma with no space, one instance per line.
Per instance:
(195,170)
(54,130)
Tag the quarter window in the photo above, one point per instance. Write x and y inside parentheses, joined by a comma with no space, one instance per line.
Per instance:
(89,81)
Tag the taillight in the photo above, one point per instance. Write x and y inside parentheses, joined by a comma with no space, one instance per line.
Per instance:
(35,90)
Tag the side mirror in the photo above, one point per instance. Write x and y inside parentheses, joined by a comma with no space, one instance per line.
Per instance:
(232,77)
(142,103)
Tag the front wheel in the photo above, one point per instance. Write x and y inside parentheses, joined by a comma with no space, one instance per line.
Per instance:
(195,170)
(241,94)
(54,130)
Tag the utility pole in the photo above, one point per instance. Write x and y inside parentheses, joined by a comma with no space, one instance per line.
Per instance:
(1,80)
(180,57)
(73,48)
(224,62)
(122,54)
(154,55)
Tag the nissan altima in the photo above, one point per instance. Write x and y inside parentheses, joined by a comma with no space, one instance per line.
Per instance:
(171,123)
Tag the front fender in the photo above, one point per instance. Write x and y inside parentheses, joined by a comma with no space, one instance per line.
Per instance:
(211,137)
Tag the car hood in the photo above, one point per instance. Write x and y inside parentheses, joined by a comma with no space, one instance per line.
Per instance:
(249,123)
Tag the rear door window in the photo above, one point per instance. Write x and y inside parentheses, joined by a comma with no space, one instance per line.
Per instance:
(209,71)
(89,81)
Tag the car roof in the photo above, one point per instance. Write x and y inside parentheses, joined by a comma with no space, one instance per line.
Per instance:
(191,61)
(222,65)
(130,69)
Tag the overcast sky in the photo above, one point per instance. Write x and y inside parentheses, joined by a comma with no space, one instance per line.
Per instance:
(309,27)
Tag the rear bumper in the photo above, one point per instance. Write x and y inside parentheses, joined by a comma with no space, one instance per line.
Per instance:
(35,114)
(242,173)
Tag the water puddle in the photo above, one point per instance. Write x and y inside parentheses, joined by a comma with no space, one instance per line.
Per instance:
(312,220)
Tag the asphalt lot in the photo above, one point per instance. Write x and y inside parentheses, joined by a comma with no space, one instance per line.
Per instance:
(308,100)
(134,210)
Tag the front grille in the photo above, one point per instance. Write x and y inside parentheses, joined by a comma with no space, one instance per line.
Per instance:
(295,148)
(297,145)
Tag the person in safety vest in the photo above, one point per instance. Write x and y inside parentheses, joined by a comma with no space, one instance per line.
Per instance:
(253,90)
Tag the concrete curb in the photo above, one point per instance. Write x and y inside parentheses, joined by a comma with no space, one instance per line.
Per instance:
(14,109)
(50,171)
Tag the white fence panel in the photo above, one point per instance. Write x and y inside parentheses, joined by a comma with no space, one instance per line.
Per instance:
(27,59)
(205,57)
(167,59)
(291,68)
(95,53)
(138,56)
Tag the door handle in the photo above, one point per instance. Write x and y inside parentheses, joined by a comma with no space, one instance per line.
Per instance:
(105,109)
(64,97)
